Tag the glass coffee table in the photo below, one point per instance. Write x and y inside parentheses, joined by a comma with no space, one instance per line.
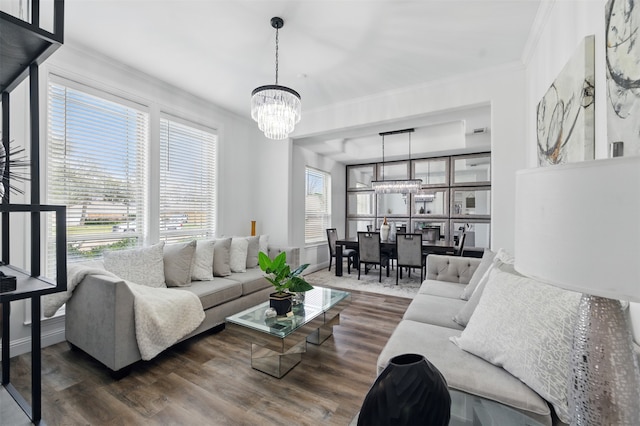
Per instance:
(277,344)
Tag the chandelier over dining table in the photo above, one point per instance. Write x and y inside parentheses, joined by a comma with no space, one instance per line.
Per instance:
(276,108)
(396,186)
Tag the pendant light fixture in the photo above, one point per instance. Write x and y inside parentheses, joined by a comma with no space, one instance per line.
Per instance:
(276,108)
(396,186)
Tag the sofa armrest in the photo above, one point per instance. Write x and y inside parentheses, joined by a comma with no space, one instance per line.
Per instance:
(293,254)
(99,320)
(454,269)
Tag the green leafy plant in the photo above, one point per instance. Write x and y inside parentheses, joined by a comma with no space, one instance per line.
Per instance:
(280,274)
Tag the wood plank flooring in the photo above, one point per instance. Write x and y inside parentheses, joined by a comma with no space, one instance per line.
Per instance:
(208,380)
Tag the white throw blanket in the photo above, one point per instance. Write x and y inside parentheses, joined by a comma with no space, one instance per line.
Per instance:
(162,316)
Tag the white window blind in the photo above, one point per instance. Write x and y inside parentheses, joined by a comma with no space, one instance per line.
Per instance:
(317,205)
(187,181)
(96,159)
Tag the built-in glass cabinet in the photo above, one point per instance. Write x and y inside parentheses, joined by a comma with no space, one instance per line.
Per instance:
(455,194)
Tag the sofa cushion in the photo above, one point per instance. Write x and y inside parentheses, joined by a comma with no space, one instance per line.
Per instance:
(485,263)
(434,310)
(442,288)
(462,370)
(216,292)
(178,261)
(252,280)
(143,266)
(202,268)
(222,257)
(526,327)
(252,251)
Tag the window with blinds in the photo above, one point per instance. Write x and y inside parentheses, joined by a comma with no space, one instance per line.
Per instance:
(96,159)
(187,181)
(317,217)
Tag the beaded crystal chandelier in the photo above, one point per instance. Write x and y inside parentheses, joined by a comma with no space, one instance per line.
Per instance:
(396,186)
(275,108)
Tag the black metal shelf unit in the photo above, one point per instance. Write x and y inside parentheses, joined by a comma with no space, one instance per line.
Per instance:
(23,47)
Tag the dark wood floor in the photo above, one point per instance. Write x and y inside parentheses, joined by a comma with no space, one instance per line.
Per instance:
(208,380)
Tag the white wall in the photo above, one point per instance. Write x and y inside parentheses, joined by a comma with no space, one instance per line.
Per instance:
(503,88)
(317,254)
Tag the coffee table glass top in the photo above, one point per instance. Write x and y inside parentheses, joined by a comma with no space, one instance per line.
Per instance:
(316,302)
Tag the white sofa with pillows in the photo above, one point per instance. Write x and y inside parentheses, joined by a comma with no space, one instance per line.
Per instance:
(492,333)
(222,273)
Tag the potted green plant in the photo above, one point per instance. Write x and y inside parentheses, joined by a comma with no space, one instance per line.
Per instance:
(285,281)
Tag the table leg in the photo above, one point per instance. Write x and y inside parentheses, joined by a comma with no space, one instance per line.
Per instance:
(274,363)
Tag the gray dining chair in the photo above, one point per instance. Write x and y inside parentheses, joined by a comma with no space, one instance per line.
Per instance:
(370,254)
(350,254)
(409,254)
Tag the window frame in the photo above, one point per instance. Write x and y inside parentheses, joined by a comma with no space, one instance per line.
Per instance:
(325,214)
(210,224)
(103,98)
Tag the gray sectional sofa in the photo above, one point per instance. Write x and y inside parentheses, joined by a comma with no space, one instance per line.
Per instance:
(100,314)
(428,326)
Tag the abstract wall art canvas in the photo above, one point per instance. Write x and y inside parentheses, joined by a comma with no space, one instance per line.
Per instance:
(622,32)
(565,115)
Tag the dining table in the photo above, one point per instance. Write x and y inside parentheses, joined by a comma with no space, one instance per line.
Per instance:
(428,247)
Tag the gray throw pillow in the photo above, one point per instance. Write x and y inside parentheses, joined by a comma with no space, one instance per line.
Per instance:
(178,263)
(483,267)
(252,251)
(222,257)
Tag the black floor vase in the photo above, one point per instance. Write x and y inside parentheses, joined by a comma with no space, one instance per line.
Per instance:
(410,391)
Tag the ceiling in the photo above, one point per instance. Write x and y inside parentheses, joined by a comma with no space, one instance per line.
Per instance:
(330,51)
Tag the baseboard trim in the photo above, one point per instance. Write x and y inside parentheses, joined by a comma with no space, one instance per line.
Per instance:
(48,338)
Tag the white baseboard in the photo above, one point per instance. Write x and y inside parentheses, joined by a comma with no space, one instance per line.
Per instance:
(54,333)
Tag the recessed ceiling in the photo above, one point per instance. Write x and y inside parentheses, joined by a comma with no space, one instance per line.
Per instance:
(330,51)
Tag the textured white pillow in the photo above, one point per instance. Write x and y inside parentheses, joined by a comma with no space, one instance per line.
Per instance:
(238,262)
(143,266)
(525,327)
(202,268)
(463,316)
(263,244)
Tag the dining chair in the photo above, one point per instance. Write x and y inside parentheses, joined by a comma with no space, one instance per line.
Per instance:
(458,247)
(370,253)
(350,254)
(409,254)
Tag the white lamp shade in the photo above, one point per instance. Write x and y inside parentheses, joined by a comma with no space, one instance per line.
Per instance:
(578,226)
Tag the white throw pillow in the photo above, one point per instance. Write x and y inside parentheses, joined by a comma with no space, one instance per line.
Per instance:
(463,316)
(483,267)
(143,266)
(202,269)
(238,262)
(263,244)
(525,327)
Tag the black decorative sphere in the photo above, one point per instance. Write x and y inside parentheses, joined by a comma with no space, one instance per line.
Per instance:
(410,391)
